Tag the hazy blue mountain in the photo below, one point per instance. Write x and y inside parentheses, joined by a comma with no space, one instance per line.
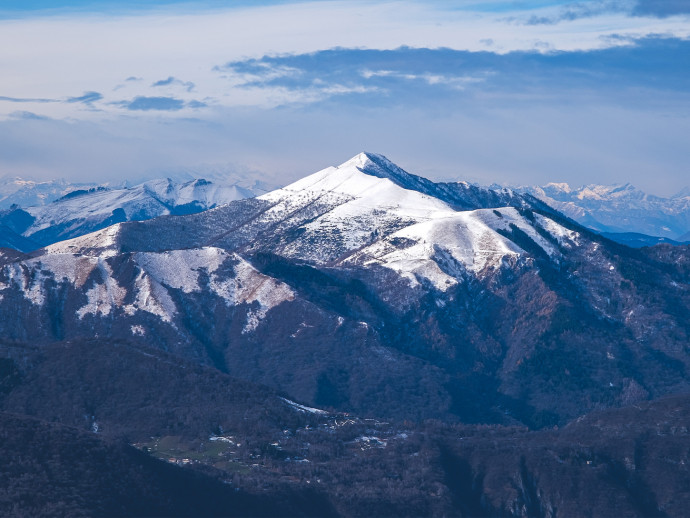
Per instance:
(30,193)
(617,209)
(83,210)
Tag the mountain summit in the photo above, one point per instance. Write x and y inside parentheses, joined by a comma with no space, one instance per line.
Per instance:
(379,166)
(361,173)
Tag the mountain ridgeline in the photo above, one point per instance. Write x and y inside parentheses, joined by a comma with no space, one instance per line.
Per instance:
(84,209)
(363,288)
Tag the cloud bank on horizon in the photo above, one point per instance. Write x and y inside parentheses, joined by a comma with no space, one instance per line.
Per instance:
(513,92)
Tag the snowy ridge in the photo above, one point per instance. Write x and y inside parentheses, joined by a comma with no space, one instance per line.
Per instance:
(102,243)
(358,207)
(28,193)
(207,194)
(30,276)
(227,275)
(181,269)
(81,211)
(144,201)
(356,180)
(366,212)
(471,240)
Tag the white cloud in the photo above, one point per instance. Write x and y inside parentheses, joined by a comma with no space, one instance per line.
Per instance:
(61,57)
(455,82)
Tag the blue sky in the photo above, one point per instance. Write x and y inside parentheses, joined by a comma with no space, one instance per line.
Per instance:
(509,92)
(28,6)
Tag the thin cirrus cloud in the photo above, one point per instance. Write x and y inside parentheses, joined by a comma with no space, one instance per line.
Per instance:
(27,115)
(579,10)
(173,81)
(26,100)
(143,103)
(589,9)
(87,98)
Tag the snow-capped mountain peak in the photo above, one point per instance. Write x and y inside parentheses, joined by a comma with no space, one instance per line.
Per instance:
(369,181)
(369,211)
(378,165)
(78,211)
(355,176)
(26,192)
(682,194)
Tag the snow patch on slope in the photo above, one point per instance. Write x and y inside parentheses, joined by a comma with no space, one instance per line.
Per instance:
(464,238)
(180,269)
(565,236)
(102,243)
(30,276)
(443,249)
(152,298)
(254,287)
(303,408)
(227,275)
(103,296)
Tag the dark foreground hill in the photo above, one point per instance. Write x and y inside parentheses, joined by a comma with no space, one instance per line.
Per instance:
(49,470)
(277,458)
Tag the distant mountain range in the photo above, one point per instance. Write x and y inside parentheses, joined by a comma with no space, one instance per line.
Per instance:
(31,193)
(81,209)
(36,214)
(621,212)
